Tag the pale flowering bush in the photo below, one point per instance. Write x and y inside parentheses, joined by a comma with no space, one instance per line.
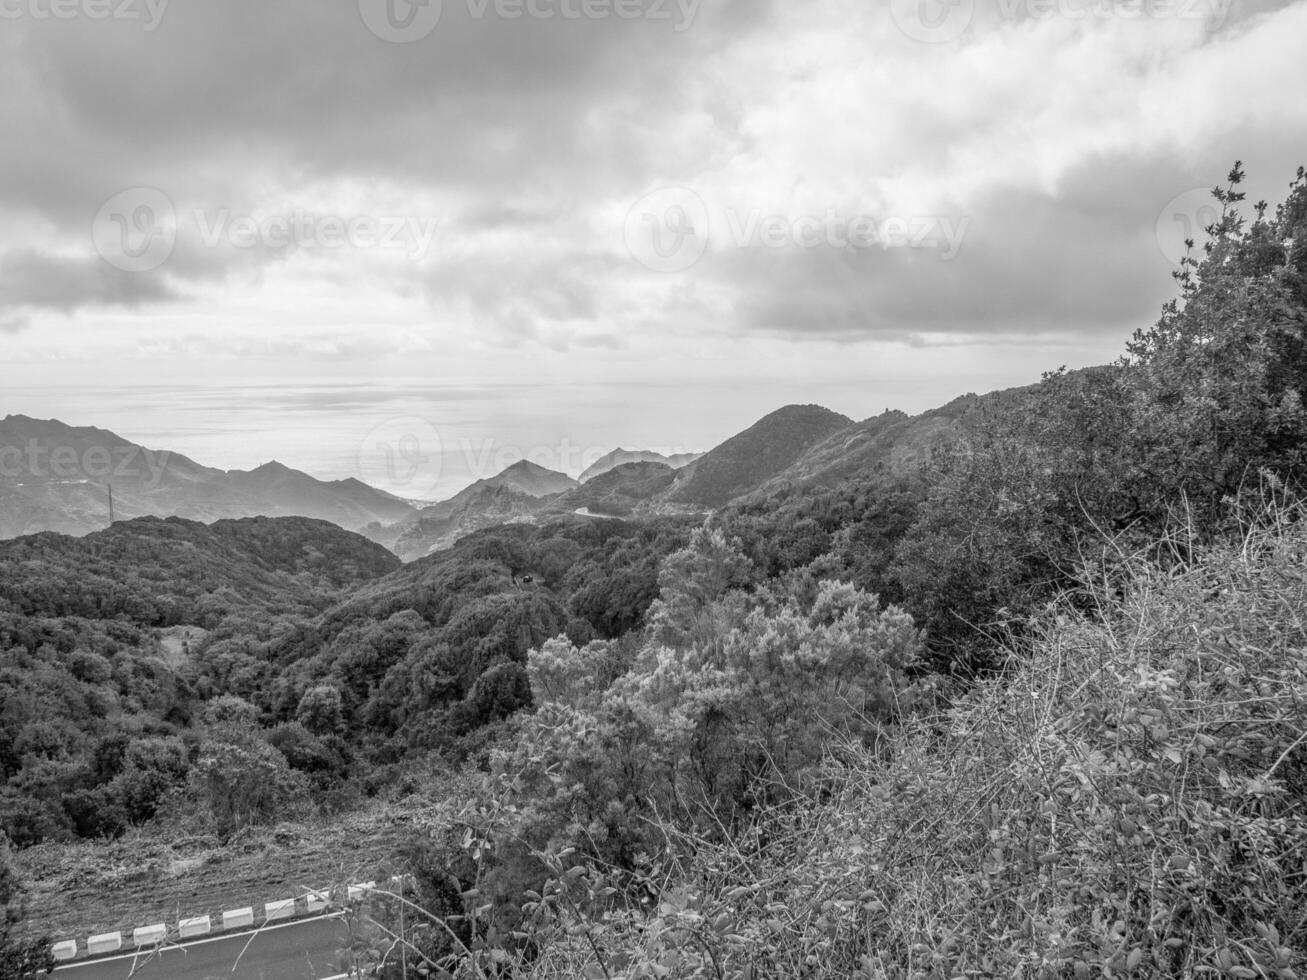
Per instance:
(1127,800)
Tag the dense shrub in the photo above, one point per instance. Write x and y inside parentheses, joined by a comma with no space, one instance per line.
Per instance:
(1126,800)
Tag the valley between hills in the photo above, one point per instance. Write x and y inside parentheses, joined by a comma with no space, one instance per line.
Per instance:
(57,477)
(1013,687)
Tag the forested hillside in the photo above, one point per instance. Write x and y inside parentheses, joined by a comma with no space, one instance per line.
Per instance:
(1010,689)
(101,716)
(1032,708)
(743,462)
(623,457)
(305,657)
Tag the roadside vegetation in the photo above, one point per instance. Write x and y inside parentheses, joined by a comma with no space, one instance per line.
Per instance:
(1035,710)
(1125,798)
(1033,707)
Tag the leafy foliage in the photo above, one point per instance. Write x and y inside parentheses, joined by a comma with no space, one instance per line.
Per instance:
(768,779)
(234,672)
(745,461)
(1030,706)
(20,958)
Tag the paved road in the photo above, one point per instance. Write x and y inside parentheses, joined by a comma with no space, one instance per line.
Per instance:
(297,951)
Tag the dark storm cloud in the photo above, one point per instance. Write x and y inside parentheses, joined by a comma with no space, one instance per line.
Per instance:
(304,85)
(32,279)
(1083,260)
(1059,145)
(224,96)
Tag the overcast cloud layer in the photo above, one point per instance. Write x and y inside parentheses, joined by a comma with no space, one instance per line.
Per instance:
(737,190)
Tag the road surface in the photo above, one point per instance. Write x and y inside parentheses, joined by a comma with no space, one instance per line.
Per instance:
(296,951)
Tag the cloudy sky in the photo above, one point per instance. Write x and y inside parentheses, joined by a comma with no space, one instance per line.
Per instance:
(239,225)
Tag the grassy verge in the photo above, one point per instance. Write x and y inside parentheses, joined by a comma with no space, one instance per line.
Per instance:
(149,876)
(1129,799)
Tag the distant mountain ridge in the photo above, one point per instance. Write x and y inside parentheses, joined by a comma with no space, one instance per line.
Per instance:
(892,442)
(531,479)
(622,490)
(55,477)
(350,503)
(744,462)
(516,493)
(525,478)
(620,457)
(795,447)
(625,483)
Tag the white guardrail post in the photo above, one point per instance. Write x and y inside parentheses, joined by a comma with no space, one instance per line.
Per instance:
(238,918)
(202,925)
(316,901)
(358,891)
(150,935)
(273,911)
(107,942)
(198,926)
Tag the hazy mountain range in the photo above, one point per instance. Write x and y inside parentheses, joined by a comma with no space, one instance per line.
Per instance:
(620,457)
(54,477)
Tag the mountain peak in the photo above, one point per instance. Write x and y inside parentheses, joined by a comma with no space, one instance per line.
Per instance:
(621,457)
(746,461)
(530,478)
(803,412)
(526,466)
(50,427)
(50,495)
(273,466)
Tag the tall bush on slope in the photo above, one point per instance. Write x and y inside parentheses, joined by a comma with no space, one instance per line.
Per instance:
(1202,401)
(1127,800)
